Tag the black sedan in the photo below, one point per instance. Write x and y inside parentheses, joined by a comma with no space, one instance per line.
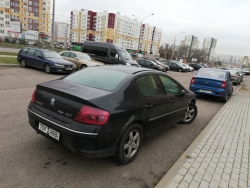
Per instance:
(109,110)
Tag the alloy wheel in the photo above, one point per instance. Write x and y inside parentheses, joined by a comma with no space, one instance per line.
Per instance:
(132,144)
(189,114)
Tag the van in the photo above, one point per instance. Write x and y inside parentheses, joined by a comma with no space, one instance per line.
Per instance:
(108,53)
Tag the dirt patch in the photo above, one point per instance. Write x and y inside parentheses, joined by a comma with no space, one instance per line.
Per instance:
(244,89)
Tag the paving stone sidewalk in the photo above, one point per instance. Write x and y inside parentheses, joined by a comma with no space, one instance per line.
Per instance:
(221,157)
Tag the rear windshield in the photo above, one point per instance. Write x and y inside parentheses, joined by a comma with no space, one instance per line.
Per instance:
(232,72)
(105,79)
(210,73)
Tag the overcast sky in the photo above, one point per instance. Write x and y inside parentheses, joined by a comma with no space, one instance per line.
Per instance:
(228,21)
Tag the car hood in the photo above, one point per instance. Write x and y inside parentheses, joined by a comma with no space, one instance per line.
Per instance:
(130,61)
(60,61)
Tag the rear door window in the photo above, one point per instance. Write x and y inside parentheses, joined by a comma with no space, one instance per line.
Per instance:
(72,55)
(31,52)
(38,53)
(170,86)
(24,50)
(65,54)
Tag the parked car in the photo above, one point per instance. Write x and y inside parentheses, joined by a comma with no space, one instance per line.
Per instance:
(189,69)
(163,65)
(196,66)
(81,60)
(47,60)
(246,71)
(108,53)
(31,42)
(213,82)
(176,66)
(235,76)
(240,71)
(9,40)
(109,110)
(150,64)
(2,39)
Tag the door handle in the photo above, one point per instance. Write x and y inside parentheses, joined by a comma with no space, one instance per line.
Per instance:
(148,105)
(172,101)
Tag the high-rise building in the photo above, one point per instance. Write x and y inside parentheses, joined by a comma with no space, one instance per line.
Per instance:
(34,15)
(113,28)
(191,41)
(209,44)
(62,32)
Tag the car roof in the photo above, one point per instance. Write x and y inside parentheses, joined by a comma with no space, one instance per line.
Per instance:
(104,44)
(44,50)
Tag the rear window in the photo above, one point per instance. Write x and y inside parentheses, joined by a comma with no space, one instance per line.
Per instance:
(209,73)
(99,78)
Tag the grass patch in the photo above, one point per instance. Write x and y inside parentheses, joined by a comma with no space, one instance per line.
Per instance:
(188,157)
(8,60)
(8,53)
(244,89)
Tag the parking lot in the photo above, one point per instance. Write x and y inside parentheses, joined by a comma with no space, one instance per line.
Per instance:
(30,160)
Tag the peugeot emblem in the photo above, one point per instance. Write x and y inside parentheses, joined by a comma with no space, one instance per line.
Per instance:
(52,101)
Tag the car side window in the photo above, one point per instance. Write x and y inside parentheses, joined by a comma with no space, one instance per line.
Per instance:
(148,63)
(72,55)
(65,54)
(142,62)
(31,52)
(38,53)
(24,51)
(100,51)
(149,85)
(170,86)
(113,53)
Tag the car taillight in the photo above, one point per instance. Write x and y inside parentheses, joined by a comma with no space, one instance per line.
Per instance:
(33,97)
(192,80)
(91,115)
(224,84)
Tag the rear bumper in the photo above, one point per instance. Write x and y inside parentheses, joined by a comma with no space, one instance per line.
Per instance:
(90,144)
(218,92)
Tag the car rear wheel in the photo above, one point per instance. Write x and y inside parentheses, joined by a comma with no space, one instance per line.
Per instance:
(47,69)
(190,114)
(180,70)
(130,144)
(23,63)
(231,91)
(83,66)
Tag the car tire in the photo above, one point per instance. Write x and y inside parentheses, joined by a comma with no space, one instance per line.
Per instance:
(83,66)
(231,91)
(190,114)
(129,145)
(47,69)
(23,63)
(180,70)
(241,80)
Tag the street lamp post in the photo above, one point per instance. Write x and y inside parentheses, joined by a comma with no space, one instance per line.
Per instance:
(140,31)
(174,42)
(67,30)
(53,25)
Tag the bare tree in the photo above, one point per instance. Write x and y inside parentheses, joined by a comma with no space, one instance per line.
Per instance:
(165,51)
(181,51)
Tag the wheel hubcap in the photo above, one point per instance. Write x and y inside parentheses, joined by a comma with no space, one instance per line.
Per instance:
(189,113)
(23,63)
(47,68)
(132,144)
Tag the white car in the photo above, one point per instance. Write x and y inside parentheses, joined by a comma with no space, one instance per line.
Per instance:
(189,69)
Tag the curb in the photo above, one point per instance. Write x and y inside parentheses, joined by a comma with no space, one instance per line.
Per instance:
(10,65)
(165,181)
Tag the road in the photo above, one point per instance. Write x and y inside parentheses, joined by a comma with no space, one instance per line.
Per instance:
(29,160)
(2,49)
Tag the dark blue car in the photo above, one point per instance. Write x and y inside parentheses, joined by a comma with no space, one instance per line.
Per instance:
(47,60)
(214,82)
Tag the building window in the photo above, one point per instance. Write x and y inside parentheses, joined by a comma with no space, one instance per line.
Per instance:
(1,31)
(7,10)
(30,2)
(7,23)
(1,12)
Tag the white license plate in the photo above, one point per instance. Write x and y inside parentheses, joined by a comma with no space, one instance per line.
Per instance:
(51,132)
(205,91)
(69,68)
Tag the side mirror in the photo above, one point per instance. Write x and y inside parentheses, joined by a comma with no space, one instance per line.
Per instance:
(183,93)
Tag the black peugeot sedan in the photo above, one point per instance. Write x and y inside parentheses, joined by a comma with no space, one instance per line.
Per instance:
(109,110)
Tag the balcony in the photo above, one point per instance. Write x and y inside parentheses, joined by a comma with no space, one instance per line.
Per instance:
(44,6)
(44,1)
(25,1)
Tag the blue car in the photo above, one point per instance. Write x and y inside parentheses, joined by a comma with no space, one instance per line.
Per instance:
(47,60)
(214,82)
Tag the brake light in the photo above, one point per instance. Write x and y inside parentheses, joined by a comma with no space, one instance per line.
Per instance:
(91,115)
(192,80)
(224,84)
(33,97)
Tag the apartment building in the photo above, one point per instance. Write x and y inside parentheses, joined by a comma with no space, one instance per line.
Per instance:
(62,32)
(209,44)
(34,15)
(114,28)
(192,41)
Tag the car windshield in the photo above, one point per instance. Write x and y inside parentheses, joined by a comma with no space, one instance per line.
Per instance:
(212,73)
(52,55)
(124,54)
(84,56)
(100,78)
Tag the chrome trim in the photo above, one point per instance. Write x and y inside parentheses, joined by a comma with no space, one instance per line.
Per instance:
(167,114)
(62,126)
